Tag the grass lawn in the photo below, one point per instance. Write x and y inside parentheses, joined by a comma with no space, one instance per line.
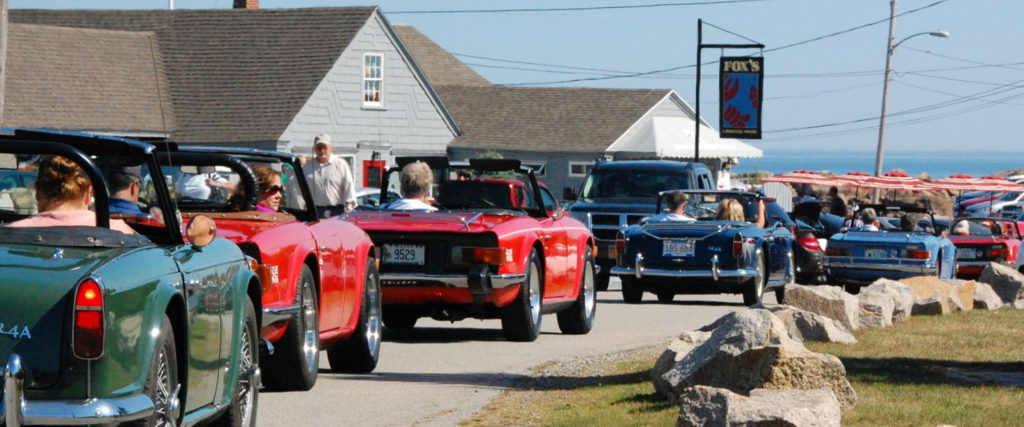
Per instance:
(914,373)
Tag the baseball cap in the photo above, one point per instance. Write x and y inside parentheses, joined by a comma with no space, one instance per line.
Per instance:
(322,138)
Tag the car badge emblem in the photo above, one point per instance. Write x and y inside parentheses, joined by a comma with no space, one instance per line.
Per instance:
(16,332)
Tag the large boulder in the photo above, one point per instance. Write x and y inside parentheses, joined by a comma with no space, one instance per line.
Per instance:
(1006,281)
(752,349)
(935,304)
(707,406)
(926,286)
(828,301)
(985,298)
(933,295)
(806,326)
(675,352)
(902,297)
(876,309)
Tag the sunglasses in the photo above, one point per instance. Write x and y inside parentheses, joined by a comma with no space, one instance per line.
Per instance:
(275,189)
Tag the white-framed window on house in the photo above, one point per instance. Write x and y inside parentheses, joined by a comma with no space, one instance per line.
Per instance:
(539,167)
(373,80)
(580,169)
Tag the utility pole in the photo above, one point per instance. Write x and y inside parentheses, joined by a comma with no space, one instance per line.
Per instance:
(3,56)
(879,153)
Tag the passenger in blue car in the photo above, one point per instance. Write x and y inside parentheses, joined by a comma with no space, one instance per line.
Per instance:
(730,210)
(870,220)
(676,203)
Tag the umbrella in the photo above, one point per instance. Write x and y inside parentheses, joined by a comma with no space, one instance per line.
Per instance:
(800,177)
(998,183)
(895,180)
(852,179)
(956,182)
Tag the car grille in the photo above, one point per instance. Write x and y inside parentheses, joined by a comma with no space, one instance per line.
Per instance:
(606,226)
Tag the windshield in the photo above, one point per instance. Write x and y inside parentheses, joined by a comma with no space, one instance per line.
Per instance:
(633,184)
(465,188)
(706,206)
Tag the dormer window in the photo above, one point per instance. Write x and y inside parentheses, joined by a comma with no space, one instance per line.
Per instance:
(373,80)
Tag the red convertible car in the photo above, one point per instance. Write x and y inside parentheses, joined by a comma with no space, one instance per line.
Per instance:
(498,247)
(320,280)
(980,241)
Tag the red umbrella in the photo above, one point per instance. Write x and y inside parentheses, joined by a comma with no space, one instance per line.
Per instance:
(998,183)
(800,177)
(853,179)
(895,180)
(956,182)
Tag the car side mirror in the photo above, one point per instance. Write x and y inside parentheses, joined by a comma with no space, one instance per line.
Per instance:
(568,194)
(201,230)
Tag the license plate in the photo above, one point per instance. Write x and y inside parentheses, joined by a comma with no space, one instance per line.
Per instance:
(876,253)
(966,253)
(678,247)
(404,254)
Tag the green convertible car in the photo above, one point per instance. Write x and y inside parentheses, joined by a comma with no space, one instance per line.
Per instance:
(99,326)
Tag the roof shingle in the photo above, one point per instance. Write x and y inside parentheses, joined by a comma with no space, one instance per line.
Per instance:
(440,66)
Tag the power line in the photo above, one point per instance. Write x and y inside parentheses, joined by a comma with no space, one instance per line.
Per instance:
(927,89)
(573,9)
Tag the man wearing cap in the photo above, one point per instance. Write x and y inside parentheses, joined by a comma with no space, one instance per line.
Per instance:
(125,186)
(330,180)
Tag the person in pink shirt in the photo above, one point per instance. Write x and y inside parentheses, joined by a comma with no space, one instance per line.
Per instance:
(270,188)
(63,196)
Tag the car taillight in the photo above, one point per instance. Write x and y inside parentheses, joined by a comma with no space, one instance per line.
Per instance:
(999,252)
(737,245)
(918,254)
(495,256)
(87,336)
(834,251)
(810,242)
(620,243)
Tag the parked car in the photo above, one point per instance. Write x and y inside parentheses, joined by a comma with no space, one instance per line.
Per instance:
(499,247)
(980,241)
(813,228)
(992,208)
(618,194)
(854,257)
(103,327)
(320,277)
(707,255)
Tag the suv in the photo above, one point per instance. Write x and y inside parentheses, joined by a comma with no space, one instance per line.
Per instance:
(617,194)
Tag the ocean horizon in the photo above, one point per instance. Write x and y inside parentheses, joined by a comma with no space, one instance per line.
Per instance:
(937,164)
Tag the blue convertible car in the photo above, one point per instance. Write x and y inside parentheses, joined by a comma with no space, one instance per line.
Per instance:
(854,257)
(707,255)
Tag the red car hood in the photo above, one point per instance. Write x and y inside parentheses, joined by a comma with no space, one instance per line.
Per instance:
(444,222)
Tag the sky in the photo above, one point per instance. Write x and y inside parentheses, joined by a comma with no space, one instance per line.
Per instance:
(823,59)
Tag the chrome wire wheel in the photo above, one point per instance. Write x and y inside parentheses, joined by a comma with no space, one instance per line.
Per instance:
(374,323)
(246,393)
(534,290)
(589,291)
(164,401)
(310,334)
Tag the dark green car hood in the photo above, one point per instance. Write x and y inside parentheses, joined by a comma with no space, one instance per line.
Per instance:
(36,285)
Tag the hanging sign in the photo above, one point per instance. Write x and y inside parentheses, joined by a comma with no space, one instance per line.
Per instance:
(740,85)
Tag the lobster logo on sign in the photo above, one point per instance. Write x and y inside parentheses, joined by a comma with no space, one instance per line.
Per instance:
(740,97)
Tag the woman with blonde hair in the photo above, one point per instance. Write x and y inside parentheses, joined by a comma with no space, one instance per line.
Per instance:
(730,210)
(63,196)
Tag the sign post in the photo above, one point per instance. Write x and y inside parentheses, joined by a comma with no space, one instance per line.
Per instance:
(701,46)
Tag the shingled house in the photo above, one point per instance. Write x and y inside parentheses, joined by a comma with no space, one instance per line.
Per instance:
(561,131)
(270,78)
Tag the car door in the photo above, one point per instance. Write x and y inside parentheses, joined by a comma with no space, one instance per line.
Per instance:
(779,240)
(206,285)
(558,250)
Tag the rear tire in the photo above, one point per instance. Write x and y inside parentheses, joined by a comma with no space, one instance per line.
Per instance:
(753,291)
(578,319)
(603,278)
(242,411)
(631,293)
(359,353)
(520,321)
(296,362)
(665,297)
(162,380)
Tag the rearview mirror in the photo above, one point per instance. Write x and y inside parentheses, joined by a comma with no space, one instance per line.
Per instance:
(201,230)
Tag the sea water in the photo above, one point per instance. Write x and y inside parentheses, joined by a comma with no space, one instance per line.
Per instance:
(937,164)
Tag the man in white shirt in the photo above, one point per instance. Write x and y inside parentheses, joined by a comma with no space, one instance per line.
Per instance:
(200,186)
(330,180)
(676,203)
(416,180)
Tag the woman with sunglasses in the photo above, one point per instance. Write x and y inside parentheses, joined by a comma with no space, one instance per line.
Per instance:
(270,187)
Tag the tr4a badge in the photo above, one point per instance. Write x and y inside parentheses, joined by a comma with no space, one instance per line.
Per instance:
(15,331)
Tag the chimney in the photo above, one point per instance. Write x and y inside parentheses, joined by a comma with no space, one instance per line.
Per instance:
(247,4)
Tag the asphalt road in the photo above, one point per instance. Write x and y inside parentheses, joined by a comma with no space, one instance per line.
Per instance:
(441,373)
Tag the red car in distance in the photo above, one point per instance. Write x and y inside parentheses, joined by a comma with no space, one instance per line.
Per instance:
(980,241)
(498,247)
(320,280)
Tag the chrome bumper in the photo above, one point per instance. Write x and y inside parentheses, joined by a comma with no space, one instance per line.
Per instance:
(715,273)
(15,410)
(903,268)
(453,280)
(278,315)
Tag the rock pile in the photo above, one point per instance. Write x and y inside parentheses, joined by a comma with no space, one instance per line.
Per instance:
(751,367)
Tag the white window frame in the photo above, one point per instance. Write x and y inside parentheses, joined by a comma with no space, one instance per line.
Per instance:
(587,167)
(542,166)
(379,103)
